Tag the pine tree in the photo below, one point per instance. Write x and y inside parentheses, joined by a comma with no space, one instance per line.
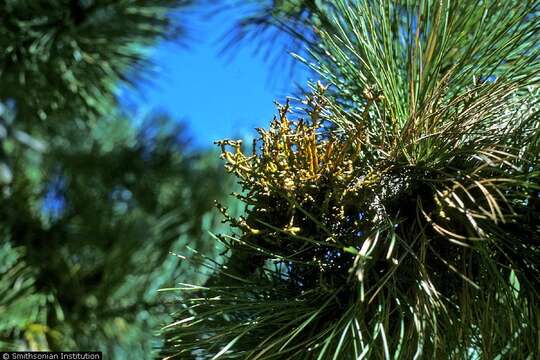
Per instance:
(395,212)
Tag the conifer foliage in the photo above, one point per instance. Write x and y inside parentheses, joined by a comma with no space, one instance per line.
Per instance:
(396,212)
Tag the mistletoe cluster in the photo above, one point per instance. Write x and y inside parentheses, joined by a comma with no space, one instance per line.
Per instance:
(304,198)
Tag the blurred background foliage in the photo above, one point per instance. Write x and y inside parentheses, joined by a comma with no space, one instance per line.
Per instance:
(65,57)
(92,203)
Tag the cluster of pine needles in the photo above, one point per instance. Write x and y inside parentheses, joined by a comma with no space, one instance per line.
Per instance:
(334,255)
(395,214)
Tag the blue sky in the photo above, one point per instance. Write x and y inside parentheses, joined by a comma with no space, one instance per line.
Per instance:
(217,95)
